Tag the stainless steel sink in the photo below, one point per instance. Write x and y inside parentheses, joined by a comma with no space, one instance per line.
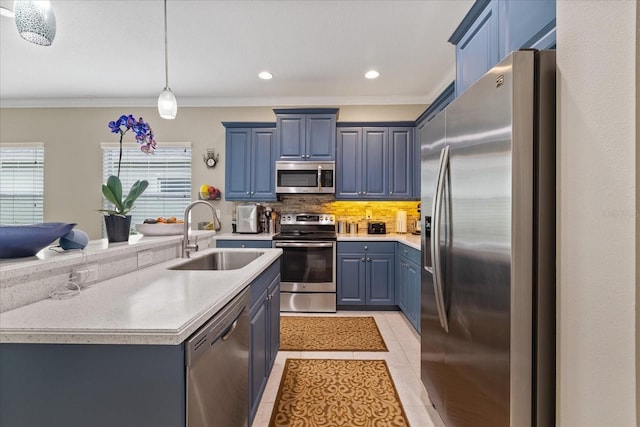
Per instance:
(219,261)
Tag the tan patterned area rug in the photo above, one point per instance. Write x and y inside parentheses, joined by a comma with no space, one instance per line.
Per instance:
(308,333)
(327,392)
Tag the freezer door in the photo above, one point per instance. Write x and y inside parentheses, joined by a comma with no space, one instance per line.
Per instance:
(433,336)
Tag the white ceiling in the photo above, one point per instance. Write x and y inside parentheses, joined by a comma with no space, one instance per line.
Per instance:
(111,53)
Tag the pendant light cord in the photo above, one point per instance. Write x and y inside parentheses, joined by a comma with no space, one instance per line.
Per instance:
(166,50)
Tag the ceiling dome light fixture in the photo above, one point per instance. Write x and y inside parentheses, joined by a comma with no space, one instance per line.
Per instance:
(265,75)
(372,74)
(167,103)
(35,21)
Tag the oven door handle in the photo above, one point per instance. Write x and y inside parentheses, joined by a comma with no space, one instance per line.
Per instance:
(303,245)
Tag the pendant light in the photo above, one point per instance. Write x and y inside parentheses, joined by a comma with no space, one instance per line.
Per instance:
(167,104)
(35,21)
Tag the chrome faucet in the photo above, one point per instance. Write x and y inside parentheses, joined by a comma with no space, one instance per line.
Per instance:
(186,247)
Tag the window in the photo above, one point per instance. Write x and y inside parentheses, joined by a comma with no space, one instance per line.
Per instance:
(21,183)
(168,171)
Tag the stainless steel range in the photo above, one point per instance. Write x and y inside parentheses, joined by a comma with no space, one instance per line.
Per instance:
(308,272)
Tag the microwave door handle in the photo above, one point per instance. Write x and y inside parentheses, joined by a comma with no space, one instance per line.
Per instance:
(319,177)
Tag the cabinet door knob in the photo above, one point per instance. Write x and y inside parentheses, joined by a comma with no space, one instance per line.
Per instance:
(248,193)
(368,259)
(362,259)
(366,247)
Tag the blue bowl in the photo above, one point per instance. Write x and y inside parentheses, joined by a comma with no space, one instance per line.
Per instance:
(27,240)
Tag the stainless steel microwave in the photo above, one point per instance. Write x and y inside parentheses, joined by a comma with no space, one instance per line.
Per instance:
(305,177)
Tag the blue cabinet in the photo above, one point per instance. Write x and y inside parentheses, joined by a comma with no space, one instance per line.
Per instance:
(366,273)
(264,333)
(494,28)
(477,44)
(527,24)
(249,163)
(375,162)
(401,162)
(408,283)
(308,134)
(440,103)
(233,243)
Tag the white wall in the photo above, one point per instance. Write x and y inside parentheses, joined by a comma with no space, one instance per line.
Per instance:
(73,158)
(597,214)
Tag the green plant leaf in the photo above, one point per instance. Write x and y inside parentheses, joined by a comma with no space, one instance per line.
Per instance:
(136,191)
(114,184)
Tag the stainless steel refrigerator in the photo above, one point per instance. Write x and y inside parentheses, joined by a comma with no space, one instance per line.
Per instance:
(488,249)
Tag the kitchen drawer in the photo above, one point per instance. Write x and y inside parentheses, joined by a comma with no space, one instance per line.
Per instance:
(410,253)
(370,247)
(243,243)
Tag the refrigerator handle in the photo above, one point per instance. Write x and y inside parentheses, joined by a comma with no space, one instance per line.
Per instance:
(435,239)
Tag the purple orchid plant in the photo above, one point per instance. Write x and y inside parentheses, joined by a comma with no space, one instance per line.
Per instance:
(144,134)
(112,190)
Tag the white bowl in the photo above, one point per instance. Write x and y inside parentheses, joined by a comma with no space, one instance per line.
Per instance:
(160,229)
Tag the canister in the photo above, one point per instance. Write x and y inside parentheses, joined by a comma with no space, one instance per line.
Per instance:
(341,226)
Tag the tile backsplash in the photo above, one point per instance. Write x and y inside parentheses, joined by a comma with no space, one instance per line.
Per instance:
(350,211)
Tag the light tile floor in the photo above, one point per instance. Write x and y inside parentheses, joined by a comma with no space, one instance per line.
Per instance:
(403,359)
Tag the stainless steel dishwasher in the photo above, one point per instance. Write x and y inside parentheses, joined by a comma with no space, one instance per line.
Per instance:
(217,357)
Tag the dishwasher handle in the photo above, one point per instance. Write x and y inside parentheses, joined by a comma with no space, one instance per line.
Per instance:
(232,328)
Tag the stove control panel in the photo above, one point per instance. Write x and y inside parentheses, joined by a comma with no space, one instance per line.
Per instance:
(307,219)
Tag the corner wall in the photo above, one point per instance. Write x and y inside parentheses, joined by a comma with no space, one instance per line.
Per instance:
(597,213)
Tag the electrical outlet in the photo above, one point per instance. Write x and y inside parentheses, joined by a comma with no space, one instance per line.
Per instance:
(145,258)
(368,214)
(85,274)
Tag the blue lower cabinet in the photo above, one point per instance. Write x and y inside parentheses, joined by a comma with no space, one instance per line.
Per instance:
(233,243)
(366,273)
(408,283)
(264,333)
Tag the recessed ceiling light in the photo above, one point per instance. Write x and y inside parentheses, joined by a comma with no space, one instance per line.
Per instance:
(372,74)
(265,75)
(7,12)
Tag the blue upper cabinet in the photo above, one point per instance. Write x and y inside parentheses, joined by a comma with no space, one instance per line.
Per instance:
(362,164)
(248,176)
(375,161)
(306,134)
(445,97)
(494,28)
(401,164)
(477,43)
(527,24)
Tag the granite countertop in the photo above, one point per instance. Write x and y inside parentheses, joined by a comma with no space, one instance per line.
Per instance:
(152,305)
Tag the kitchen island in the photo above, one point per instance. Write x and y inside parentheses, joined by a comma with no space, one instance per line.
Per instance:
(115,353)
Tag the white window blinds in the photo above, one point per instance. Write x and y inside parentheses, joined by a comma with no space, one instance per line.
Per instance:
(168,171)
(21,183)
